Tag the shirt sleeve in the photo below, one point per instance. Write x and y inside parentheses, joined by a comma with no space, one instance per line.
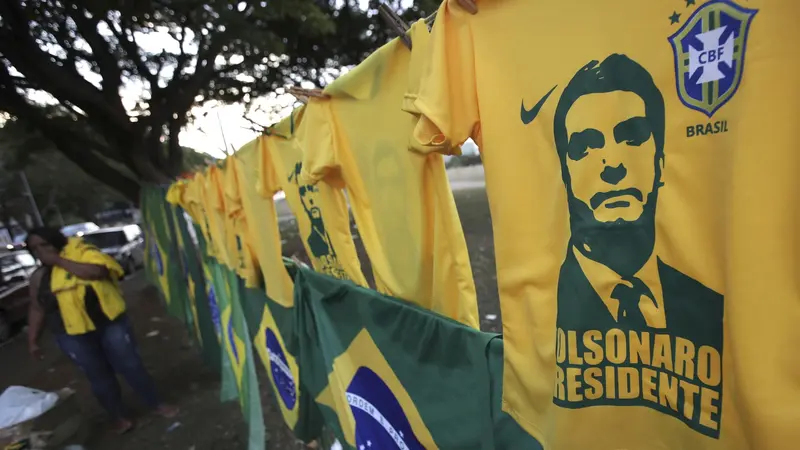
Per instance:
(192,200)
(447,100)
(198,211)
(267,184)
(214,187)
(176,192)
(420,38)
(316,137)
(233,199)
(89,254)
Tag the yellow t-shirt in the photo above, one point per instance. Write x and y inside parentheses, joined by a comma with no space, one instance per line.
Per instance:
(239,237)
(177,195)
(262,221)
(321,211)
(184,193)
(401,201)
(196,196)
(259,208)
(214,207)
(70,291)
(641,179)
(177,192)
(421,47)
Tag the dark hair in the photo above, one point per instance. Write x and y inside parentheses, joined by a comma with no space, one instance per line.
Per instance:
(52,236)
(615,73)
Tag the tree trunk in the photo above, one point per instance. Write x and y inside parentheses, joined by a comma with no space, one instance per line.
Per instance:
(148,170)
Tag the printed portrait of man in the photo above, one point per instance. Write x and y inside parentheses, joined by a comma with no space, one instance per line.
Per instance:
(609,131)
(318,240)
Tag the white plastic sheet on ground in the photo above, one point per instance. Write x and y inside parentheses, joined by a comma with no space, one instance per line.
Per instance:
(18,404)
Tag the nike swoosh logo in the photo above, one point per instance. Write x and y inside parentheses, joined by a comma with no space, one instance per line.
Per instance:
(527,115)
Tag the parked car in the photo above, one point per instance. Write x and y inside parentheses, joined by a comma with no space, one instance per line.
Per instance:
(76,229)
(79,229)
(16,266)
(125,244)
(18,242)
(15,270)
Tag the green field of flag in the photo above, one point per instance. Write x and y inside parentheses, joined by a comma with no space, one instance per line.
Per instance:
(395,376)
(238,352)
(273,325)
(163,262)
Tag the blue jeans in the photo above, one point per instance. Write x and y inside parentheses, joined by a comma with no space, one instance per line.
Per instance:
(109,349)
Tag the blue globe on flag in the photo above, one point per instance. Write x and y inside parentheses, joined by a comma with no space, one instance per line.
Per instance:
(232,340)
(157,257)
(281,374)
(381,423)
(214,309)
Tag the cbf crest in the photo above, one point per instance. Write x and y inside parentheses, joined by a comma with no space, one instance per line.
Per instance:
(709,54)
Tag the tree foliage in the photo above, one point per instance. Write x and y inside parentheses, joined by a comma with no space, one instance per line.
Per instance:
(112,82)
(63,192)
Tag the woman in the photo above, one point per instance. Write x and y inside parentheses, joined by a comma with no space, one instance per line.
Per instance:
(76,295)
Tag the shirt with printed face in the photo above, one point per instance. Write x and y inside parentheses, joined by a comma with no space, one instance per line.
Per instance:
(639,161)
(320,211)
(401,201)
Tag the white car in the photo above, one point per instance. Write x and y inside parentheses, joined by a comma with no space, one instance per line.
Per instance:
(79,229)
(16,267)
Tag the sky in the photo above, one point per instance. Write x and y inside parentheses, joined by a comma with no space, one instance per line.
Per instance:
(216,129)
(216,124)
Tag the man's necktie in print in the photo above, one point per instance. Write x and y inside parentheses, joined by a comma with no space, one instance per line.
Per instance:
(630,315)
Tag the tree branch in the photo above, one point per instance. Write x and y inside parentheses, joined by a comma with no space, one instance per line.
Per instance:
(73,149)
(183,57)
(109,70)
(75,145)
(174,149)
(15,104)
(180,92)
(21,50)
(128,43)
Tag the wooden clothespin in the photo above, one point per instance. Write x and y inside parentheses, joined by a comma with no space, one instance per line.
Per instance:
(429,20)
(395,23)
(469,6)
(303,94)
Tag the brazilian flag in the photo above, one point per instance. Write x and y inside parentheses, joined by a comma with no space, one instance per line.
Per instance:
(194,284)
(154,264)
(395,376)
(271,324)
(164,254)
(150,262)
(238,351)
(216,286)
(156,252)
(183,287)
(203,311)
(211,308)
(508,434)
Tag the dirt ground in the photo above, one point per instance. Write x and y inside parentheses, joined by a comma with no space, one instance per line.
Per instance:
(204,423)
